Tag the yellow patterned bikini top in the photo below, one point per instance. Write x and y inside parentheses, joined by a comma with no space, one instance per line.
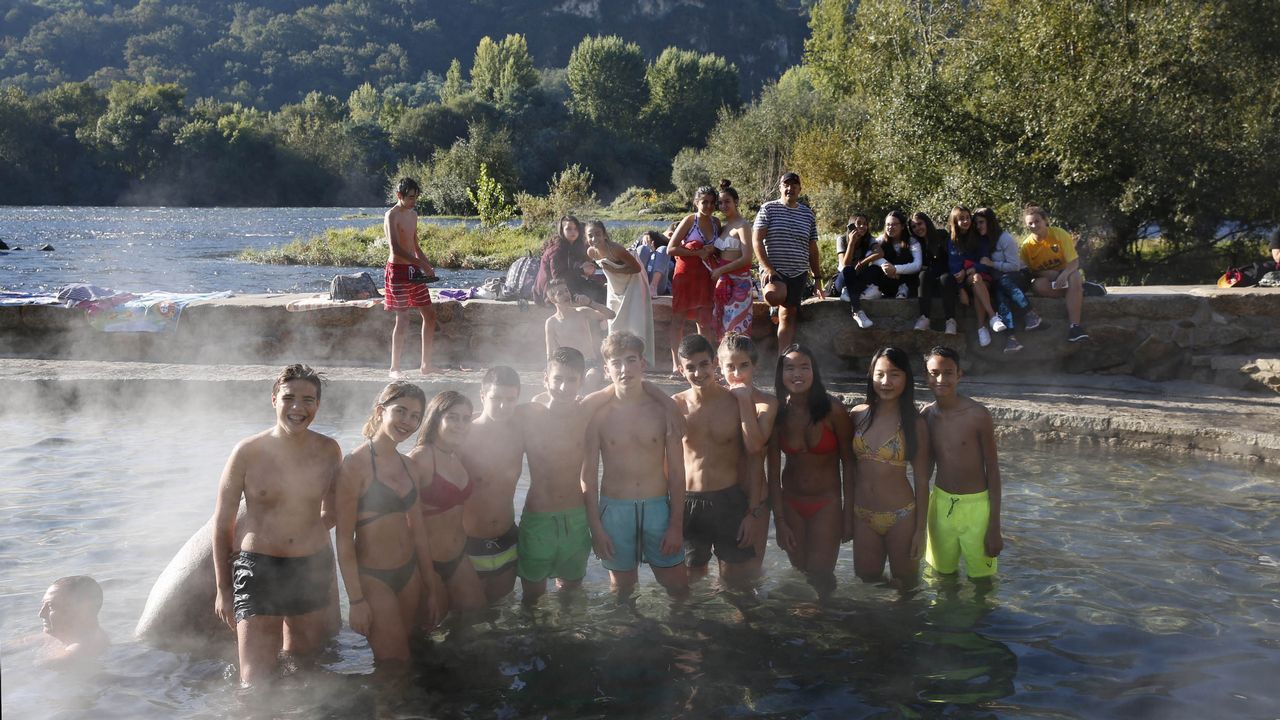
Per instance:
(892,452)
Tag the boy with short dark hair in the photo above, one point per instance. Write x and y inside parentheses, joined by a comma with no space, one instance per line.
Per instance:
(406,276)
(275,588)
(964,508)
(636,510)
(571,326)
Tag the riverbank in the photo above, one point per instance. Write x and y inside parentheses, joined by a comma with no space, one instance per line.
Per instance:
(1091,412)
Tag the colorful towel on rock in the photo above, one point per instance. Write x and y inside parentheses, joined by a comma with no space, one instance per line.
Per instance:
(321,301)
(150,312)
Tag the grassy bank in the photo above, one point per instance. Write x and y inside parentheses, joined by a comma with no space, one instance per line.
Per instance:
(452,246)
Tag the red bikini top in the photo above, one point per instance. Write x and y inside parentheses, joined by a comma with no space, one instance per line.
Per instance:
(826,444)
(440,495)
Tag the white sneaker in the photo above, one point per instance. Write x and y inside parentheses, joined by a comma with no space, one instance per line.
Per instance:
(997,325)
(984,337)
(902,292)
(922,323)
(951,327)
(871,293)
(861,318)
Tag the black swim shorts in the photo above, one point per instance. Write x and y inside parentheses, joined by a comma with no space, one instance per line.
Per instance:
(711,520)
(798,288)
(285,586)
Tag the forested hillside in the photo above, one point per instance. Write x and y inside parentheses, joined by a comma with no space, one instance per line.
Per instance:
(272,52)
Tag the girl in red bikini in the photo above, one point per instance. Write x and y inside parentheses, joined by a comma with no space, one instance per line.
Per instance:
(889,434)
(814,432)
(443,486)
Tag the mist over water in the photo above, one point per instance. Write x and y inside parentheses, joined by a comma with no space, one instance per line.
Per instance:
(1132,585)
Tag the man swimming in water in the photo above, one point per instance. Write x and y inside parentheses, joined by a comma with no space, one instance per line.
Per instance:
(69,613)
(493,455)
(638,513)
(275,590)
(964,508)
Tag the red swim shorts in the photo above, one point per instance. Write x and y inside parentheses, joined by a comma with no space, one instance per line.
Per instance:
(399,293)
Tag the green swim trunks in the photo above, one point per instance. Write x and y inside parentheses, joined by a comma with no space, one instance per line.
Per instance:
(958,525)
(553,544)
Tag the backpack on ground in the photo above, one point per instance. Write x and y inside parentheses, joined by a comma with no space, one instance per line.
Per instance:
(520,279)
(357,286)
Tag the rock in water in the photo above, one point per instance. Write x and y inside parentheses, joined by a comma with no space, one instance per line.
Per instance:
(179,615)
(46,247)
(3,246)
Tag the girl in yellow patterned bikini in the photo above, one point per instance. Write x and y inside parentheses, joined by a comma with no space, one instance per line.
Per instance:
(889,434)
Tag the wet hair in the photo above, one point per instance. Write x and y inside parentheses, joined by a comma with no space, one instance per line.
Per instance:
(600,226)
(569,357)
(556,285)
(726,188)
(436,409)
(392,392)
(737,342)
(906,401)
(502,375)
(965,242)
(83,591)
(1035,210)
(298,371)
(693,344)
(621,342)
(993,225)
(943,351)
(406,185)
(819,400)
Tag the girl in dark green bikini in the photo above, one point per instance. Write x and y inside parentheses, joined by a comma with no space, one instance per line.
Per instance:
(383,550)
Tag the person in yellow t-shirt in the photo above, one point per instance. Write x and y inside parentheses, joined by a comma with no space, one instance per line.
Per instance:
(1050,256)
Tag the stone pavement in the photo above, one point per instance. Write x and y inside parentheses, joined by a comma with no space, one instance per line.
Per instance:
(1085,410)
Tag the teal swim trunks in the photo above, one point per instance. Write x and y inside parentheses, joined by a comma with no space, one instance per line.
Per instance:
(553,544)
(636,528)
(958,526)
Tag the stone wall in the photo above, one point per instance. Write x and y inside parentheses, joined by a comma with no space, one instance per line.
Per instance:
(1229,337)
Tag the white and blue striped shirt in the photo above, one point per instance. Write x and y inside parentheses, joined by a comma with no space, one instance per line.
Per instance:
(788,233)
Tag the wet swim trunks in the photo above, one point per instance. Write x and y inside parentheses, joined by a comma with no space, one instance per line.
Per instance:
(554,544)
(636,528)
(401,294)
(711,520)
(284,586)
(958,525)
(491,556)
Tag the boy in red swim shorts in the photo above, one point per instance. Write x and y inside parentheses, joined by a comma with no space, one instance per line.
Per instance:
(406,276)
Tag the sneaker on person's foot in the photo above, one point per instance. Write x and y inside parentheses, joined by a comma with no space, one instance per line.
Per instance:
(902,292)
(984,337)
(871,293)
(1076,333)
(951,327)
(922,323)
(997,325)
(1032,320)
(1012,345)
(861,318)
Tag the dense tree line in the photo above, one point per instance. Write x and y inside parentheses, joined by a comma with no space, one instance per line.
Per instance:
(1124,117)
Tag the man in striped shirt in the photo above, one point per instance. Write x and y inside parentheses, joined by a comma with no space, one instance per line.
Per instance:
(786,244)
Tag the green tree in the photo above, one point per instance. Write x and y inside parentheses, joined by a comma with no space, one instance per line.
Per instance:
(454,86)
(500,71)
(139,124)
(490,200)
(607,81)
(686,93)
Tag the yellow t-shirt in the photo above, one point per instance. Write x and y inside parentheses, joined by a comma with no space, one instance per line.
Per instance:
(1054,252)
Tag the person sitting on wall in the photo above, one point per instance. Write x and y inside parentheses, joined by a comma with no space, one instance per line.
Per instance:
(69,613)
(1050,256)
(1275,247)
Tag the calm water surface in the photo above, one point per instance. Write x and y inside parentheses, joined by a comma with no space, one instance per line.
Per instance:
(1131,586)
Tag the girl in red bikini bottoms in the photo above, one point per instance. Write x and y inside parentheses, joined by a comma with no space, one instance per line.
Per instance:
(443,486)
(813,430)
(889,514)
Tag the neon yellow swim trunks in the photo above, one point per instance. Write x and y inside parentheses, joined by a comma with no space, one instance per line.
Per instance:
(958,525)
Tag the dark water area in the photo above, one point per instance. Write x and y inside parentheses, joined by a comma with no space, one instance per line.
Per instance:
(140,249)
(1132,585)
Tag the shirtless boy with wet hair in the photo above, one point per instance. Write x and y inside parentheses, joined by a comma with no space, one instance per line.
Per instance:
(555,535)
(721,492)
(274,586)
(69,614)
(493,455)
(964,508)
(637,513)
(571,326)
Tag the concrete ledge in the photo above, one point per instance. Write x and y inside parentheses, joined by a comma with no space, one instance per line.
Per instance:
(1153,333)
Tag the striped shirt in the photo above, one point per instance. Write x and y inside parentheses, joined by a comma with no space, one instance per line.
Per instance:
(788,232)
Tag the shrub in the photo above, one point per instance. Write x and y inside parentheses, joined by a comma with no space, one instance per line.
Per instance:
(568,193)
(490,200)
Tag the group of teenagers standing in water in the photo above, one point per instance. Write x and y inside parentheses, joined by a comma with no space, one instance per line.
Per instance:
(627,472)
